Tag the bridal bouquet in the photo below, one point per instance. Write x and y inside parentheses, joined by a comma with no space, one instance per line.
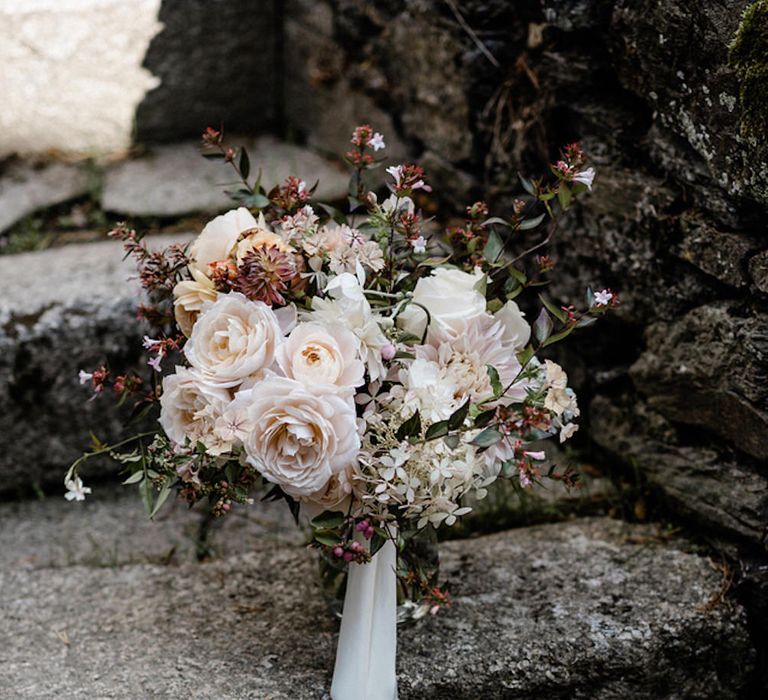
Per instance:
(368,368)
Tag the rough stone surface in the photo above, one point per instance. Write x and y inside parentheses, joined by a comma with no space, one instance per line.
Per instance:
(62,310)
(72,73)
(590,609)
(111,529)
(216,64)
(26,188)
(175,179)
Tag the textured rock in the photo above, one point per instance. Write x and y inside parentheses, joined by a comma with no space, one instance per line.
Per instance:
(216,63)
(26,188)
(174,180)
(62,310)
(590,609)
(716,489)
(72,73)
(725,389)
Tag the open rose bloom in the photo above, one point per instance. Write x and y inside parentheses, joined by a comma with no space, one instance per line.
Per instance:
(369,369)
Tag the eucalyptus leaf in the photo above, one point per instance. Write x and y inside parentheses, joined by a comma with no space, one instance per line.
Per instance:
(528,224)
(493,248)
(559,314)
(542,327)
(437,430)
(134,478)
(489,436)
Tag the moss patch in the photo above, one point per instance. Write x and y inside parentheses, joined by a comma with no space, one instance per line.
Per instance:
(749,57)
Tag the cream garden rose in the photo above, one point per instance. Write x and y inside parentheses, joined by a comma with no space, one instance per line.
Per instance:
(218,239)
(189,297)
(234,339)
(316,353)
(450,297)
(297,436)
(190,408)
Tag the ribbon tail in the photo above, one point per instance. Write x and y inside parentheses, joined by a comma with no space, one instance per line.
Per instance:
(365,656)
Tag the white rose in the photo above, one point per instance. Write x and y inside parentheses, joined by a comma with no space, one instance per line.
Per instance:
(190,407)
(451,298)
(298,437)
(189,297)
(219,237)
(318,354)
(516,328)
(233,339)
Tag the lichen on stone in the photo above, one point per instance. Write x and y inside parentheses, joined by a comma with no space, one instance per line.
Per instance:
(749,57)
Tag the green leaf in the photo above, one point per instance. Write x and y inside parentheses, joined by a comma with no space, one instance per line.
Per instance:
(328,520)
(489,436)
(162,497)
(493,375)
(559,314)
(558,336)
(527,185)
(434,262)
(482,419)
(331,539)
(456,419)
(493,248)
(452,441)
(147,495)
(213,156)
(245,164)
(481,285)
(524,356)
(542,327)
(516,274)
(564,196)
(410,428)
(134,478)
(377,542)
(256,201)
(437,430)
(528,224)
(496,220)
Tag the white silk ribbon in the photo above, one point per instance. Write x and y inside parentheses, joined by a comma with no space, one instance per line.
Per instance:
(365,656)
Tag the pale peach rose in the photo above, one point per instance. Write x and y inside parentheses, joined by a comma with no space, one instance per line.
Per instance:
(189,297)
(217,240)
(257,236)
(316,353)
(233,339)
(190,408)
(335,495)
(298,437)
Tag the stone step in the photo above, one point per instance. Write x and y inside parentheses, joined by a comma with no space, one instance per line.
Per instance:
(594,608)
(61,310)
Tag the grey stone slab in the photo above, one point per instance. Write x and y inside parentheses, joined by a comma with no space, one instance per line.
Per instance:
(26,187)
(175,179)
(61,310)
(111,528)
(591,609)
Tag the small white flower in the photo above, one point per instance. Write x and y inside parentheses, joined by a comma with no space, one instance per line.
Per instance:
(148,343)
(585,177)
(419,245)
(603,298)
(376,142)
(539,456)
(567,431)
(84,376)
(154,362)
(75,489)
(396,171)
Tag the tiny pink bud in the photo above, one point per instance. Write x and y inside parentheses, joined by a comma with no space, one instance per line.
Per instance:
(368,533)
(338,552)
(388,351)
(362,526)
(348,556)
(355,546)
(225,507)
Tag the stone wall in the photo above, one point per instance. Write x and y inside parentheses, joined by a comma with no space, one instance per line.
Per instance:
(666,97)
